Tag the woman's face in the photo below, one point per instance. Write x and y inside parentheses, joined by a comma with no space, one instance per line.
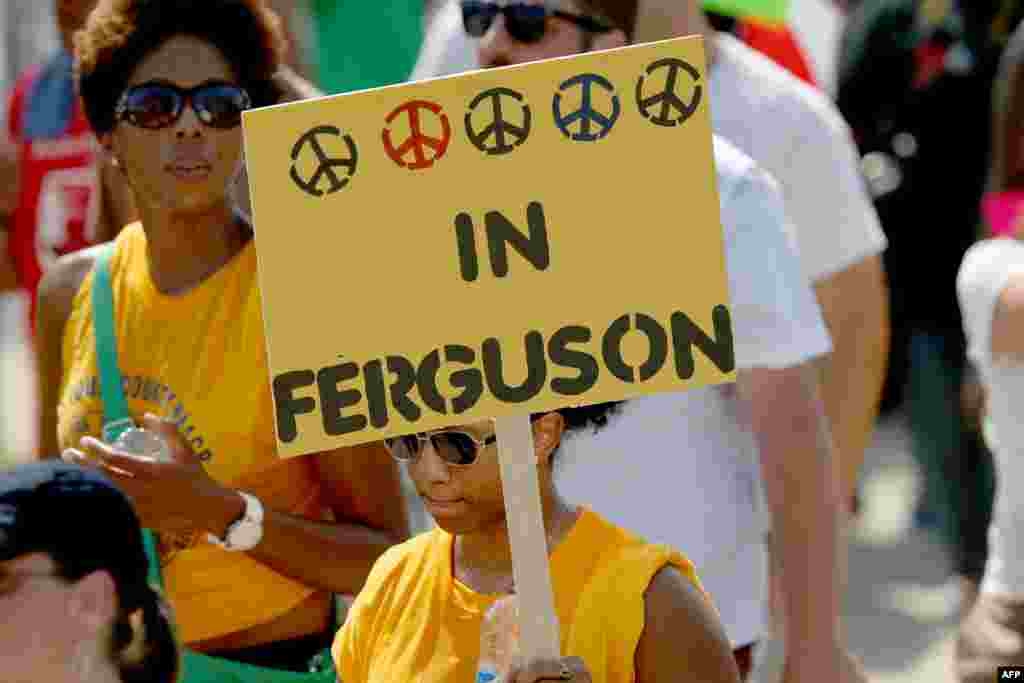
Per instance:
(468,498)
(187,165)
(37,637)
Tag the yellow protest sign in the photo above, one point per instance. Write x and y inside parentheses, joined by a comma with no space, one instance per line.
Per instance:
(504,241)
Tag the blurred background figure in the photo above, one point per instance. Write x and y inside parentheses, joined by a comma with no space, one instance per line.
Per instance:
(446,49)
(19,49)
(990,286)
(344,45)
(76,605)
(57,192)
(915,83)
(35,37)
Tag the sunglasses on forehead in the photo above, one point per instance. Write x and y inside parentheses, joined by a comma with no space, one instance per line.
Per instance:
(525,23)
(159,105)
(455,446)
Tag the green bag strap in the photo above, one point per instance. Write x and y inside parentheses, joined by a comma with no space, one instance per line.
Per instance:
(116,418)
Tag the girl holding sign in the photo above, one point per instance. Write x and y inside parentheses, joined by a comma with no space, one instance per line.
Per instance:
(251,547)
(629,611)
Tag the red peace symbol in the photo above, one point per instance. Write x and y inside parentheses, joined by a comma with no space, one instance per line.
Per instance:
(418,142)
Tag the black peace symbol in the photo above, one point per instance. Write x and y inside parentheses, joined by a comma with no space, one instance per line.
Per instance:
(586,114)
(667,97)
(499,128)
(326,164)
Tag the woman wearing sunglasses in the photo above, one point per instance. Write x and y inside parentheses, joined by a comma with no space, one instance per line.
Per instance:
(628,611)
(252,547)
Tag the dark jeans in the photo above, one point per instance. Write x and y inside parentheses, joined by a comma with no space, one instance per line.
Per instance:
(977,472)
(957,468)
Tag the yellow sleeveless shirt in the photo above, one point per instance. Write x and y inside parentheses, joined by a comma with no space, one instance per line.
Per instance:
(200,360)
(413,621)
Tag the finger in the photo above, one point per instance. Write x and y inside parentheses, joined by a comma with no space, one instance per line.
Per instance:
(134,465)
(116,471)
(73,456)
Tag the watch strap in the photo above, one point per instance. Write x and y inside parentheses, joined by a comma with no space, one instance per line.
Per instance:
(253,516)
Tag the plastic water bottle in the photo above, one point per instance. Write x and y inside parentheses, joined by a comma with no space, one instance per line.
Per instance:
(143,443)
(499,641)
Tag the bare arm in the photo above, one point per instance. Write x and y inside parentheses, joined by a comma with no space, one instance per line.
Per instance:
(787,419)
(855,306)
(362,486)
(359,484)
(683,639)
(56,295)
(1007,169)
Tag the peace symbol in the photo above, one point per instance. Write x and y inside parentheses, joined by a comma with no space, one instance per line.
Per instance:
(667,98)
(586,114)
(417,142)
(499,128)
(326,164)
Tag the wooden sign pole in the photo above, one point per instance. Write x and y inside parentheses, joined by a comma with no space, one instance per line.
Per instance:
(538,624)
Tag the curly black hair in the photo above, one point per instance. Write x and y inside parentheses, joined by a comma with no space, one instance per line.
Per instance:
(120,34)
(595,415)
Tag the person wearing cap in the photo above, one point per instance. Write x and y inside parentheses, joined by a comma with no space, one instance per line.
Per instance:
(75,605)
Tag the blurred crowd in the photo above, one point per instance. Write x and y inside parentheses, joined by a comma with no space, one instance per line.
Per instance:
(873,222)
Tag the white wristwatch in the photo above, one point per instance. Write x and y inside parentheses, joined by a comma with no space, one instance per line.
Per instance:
(247,532)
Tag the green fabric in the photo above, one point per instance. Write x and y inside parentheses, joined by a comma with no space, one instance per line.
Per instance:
(199,668)
(774,11)
(362,44)
(116,417)
(196,668)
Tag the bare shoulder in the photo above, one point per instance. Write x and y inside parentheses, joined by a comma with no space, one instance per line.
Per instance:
(61,283)
(683,639)
(670,591)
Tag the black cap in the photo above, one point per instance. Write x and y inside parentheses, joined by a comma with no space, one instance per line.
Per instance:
(79,518)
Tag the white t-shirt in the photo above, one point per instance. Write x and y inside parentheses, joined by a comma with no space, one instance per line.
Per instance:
(446,49)
(986,270)
(683,468)
(795,133)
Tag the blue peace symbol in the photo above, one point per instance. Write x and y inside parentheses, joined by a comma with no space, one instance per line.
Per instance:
(588,117)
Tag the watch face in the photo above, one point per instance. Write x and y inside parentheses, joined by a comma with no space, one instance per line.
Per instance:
(246,534)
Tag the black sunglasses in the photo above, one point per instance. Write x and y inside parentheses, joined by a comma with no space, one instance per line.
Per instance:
(525,23)
(158,105)
(454,446)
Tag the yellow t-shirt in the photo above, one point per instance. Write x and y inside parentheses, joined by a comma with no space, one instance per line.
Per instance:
(413,621)
(199,359)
